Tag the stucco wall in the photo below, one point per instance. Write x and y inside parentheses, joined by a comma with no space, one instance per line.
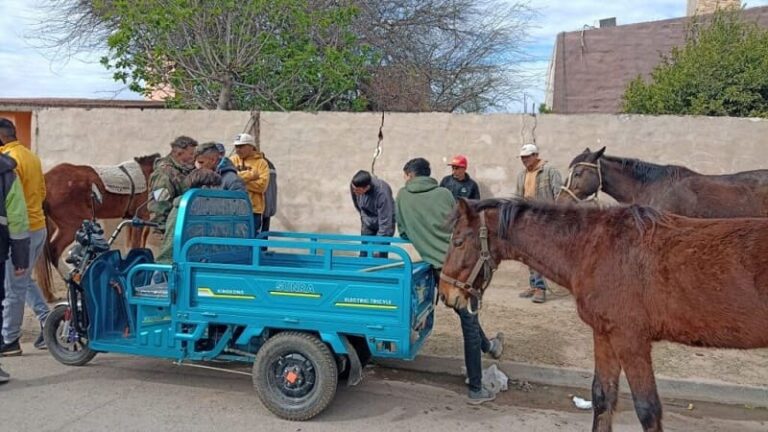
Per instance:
(109,136)
(317,154)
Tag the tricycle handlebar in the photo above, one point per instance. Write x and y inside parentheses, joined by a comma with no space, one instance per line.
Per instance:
(135,222)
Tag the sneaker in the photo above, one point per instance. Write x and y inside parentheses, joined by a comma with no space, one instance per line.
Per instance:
(480,396)
(527,293)
(11,349)
(4,377)
(40,342)
(497,346)
(540,296)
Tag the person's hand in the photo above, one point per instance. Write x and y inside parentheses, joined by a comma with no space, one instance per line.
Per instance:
(19,271)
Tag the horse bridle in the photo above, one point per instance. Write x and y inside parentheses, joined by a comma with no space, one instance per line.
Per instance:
(592,197)
(485,263)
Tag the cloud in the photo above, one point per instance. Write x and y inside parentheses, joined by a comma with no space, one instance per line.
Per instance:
(26,72)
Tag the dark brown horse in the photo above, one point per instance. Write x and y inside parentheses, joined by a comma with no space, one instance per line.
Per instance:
(638,276)
(672,188)
(68,203)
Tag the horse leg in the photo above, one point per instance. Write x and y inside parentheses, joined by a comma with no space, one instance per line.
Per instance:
(634,354)
(64,236)
(605,385)
(145,236)
(130,237)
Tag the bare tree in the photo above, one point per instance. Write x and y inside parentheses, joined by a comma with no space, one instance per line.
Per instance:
(70,27)
(445,55)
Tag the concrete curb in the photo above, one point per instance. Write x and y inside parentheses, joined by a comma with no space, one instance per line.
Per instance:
(675,388)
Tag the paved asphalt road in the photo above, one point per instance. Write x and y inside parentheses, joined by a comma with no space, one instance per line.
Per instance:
(119,393)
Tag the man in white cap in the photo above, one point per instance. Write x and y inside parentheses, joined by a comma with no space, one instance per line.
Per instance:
(539,182)
(254,170)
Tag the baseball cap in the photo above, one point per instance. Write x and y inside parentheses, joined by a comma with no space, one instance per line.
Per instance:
(459,161)
(528,149)
(243,139)
(220,147)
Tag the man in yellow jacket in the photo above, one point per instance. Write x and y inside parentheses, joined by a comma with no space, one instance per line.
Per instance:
(20,287)
(254,170)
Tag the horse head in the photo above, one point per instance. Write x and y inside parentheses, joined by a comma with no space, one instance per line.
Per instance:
(585,177)
(472,257)
(147,163)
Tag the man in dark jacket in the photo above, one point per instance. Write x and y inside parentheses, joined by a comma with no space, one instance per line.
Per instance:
(14,229)
(423,210)
(270,197)
(459,183)
(208,156)
(372,198)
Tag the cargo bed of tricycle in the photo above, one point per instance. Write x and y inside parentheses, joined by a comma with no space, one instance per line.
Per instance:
(303,308)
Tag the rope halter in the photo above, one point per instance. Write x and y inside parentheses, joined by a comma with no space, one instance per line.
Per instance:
(592,197)
(484,262)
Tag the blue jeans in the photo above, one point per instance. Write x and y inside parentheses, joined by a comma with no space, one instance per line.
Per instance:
(19,289)
(475,344)
(536,280)
(2,296)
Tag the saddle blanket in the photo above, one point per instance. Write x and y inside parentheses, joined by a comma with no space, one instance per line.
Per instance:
(116,181)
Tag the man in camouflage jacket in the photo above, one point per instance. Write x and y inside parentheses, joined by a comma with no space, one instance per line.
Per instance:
(167,180)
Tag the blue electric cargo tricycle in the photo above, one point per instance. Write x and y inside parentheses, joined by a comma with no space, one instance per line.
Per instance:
(304,309)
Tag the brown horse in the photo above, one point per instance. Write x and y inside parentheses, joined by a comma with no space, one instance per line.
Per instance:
(672,188)
(638,276)
(68,203)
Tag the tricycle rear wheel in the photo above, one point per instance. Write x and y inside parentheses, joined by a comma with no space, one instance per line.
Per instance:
(64,343)
(295,375)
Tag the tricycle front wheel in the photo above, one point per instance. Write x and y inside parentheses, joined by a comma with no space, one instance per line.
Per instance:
(295,375)
(64,342)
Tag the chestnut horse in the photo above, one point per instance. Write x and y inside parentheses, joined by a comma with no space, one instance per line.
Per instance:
(638,276)
(671,188)
(68,203)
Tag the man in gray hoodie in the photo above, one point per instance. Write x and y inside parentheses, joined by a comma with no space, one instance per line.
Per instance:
(372,198)
(208,156)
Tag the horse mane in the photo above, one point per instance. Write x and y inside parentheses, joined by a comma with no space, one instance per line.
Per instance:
(141,160)
(647,172)
(645,219)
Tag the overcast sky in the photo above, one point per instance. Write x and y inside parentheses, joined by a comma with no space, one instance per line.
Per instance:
(26,72)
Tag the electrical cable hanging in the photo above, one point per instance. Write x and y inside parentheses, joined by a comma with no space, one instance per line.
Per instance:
(378,150)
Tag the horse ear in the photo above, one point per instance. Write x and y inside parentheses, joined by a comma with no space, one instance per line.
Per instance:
(587,150)
(464,209)
(599,153)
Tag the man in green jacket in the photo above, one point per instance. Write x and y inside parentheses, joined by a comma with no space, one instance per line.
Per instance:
(14,230)
(423,210)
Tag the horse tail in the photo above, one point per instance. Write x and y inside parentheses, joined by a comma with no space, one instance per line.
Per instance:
(43,272)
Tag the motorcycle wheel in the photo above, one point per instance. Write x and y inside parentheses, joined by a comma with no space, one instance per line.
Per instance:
(64,343)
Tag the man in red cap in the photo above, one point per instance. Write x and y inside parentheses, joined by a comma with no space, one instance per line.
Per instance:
(459,183)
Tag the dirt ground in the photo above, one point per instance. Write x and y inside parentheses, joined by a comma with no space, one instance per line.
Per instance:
(553,334)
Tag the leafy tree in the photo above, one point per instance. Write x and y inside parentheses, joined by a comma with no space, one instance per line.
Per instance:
(721,71)
(238,54)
